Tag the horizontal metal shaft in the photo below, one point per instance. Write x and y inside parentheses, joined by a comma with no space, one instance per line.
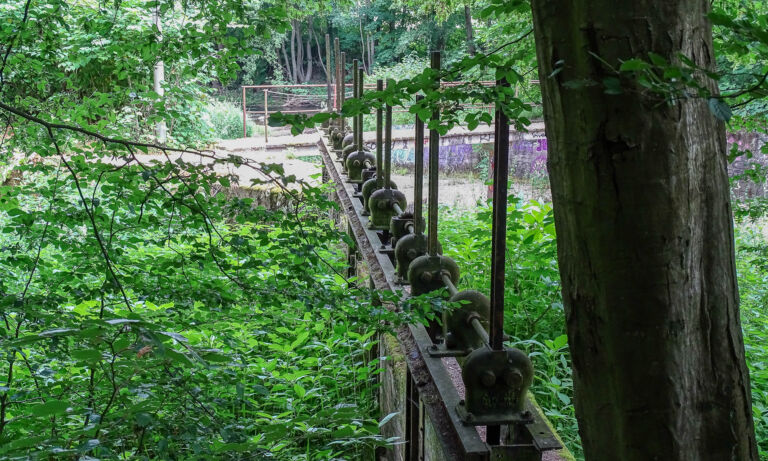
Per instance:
(478,327)
(449,284)
(396,207)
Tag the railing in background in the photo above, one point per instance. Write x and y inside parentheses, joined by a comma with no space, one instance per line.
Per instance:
(313,103)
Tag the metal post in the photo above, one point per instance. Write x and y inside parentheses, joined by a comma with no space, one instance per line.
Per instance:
(418,182)
(379,142)
(337,68)
(360,90)
(355,120)
(328,78)
(434,163)
(266,116)
(245,131)
(498,240)
(388,147)
(342,85)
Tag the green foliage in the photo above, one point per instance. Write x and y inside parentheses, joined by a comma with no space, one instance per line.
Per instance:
(224,334)
(225,121)
(752,267)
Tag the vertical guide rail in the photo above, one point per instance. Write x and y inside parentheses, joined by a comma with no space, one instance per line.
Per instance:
(498,237)
(342,85)
(328,78)
(418,171)
(499,231)
(434,153)
(379,142)
(337,68)
(360,89)
(388,148)
(245,131)
(266,116)
(355,89)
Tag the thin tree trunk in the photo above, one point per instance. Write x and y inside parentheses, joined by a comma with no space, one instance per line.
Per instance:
(363,43)
(288,71)
(294,74)
(645,237)
(299,53)
(371,54)
(469,29)
(320,54)
(308,57)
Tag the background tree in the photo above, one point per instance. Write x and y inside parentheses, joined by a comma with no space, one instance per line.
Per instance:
(645,236)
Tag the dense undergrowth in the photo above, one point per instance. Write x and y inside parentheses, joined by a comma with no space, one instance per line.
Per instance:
(534,312)
(224,336)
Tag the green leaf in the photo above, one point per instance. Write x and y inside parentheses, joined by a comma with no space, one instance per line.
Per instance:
(299,390)
(658,60)
(633,65)
(720,109)
(387,418)
(87,355)
(50,408)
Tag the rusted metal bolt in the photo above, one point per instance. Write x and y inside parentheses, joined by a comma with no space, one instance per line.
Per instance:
(488,378)
(513,378)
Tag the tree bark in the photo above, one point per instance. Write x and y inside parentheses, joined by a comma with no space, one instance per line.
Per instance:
(469,30)
(288,69)
(308,56)
(294,74)
(645,237)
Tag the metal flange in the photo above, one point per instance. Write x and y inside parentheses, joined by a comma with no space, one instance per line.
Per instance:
(460,336)
(356,162)
(369,187)
(382,209)
(425,273)
(496,382)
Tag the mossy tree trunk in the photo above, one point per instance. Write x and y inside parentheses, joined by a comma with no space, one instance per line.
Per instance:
(645,237)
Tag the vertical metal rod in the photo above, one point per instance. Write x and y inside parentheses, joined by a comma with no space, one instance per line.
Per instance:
(418,172)
(328,77)
(379,141)
(245,131)
(343,84)
(498,239)
(355,89)
(337,68)
(434,162)
(388,148)
(360,89)
(499,231)
(266,116)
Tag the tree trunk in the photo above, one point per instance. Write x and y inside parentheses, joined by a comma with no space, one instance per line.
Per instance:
(288,68)
(371,54)
(645,237)
(308,57)
(469,30)
(320,54)
(294,68)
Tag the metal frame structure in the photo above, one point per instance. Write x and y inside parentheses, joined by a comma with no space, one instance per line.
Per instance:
(431,391)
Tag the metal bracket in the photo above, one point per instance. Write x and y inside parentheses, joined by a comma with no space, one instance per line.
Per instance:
(492,418)
(439,350)
(517,452)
